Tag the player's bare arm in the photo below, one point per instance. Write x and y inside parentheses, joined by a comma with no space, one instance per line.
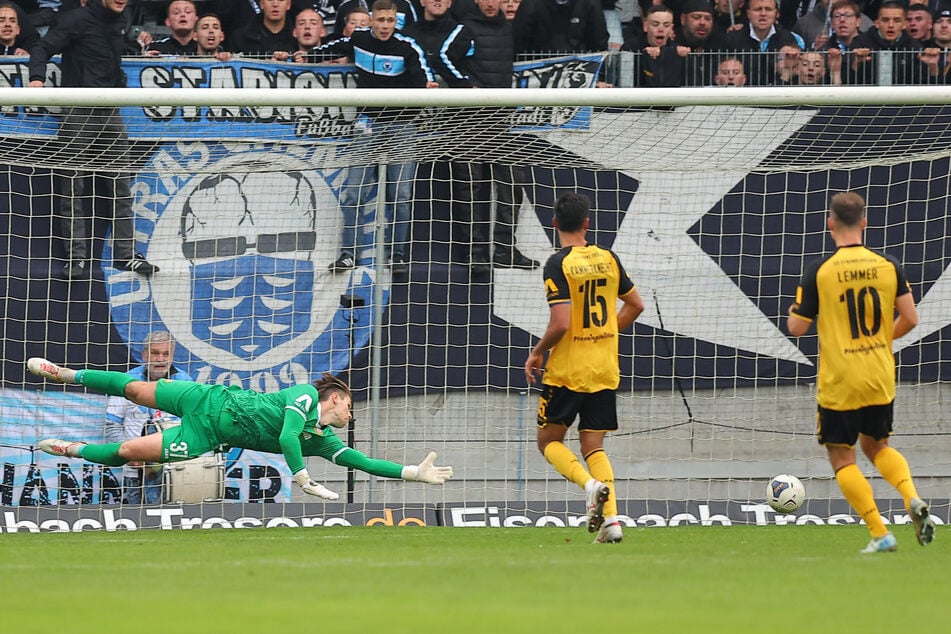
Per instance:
(907,315)
(558,322)
(796,325)
(631,309)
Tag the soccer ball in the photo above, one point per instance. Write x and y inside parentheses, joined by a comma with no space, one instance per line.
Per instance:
(785,493)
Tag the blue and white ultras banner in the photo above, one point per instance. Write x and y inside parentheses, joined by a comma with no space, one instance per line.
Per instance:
(243,238)
(273,124)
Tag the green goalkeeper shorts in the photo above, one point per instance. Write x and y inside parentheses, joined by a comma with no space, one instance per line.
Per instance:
(198,405)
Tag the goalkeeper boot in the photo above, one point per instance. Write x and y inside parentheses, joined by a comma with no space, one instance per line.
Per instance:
(137,264)
(610,532)
(924,523)
(64,448)
(597,495)
(50,371)
(884,544)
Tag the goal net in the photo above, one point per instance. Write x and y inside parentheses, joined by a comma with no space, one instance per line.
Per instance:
(713,199)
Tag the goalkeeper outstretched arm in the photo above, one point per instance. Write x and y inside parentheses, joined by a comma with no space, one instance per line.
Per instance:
(426,471)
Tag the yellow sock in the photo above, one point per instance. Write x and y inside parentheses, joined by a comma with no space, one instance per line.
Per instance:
(600,467)
(858,493)
(894,468)
(566,463)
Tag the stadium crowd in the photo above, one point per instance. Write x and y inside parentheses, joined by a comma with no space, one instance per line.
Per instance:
(675,43)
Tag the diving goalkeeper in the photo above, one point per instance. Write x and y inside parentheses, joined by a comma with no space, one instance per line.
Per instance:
(295,422)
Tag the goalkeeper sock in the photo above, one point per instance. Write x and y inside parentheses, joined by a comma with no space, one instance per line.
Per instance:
(566,463)
(600,467)
(894,468)
(107,454)
(858,493)
(112,383)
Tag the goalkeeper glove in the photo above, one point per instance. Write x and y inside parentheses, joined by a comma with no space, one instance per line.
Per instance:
(427,472)
(313,488)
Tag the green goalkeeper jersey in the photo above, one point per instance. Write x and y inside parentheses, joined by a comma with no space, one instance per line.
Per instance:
(288,422)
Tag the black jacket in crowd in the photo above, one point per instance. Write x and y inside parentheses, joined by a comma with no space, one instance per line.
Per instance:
(907,69)
(171,46)
(493,63)
(448,45)
(574,26)
(92,40)
(760,68)
(257,39)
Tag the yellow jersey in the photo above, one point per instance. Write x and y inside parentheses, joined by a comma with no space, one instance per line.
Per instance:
(591,279)
(853,293)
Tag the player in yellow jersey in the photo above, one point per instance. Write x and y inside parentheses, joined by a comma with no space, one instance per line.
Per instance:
(583,283)
(855,294)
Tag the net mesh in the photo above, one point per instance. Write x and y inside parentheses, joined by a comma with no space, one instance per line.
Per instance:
(714,210)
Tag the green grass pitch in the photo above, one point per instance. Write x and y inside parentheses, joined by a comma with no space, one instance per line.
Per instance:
(432,580)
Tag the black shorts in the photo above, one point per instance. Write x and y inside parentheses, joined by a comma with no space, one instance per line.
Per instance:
(559,405)
(843,428)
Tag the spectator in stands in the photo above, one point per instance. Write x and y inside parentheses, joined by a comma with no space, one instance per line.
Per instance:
(384,59)
(942,41)
(696,33)
(662,59)
(271,31)
(812,69)
(28,36)
(523,38)
(729,15)
(357,18)
(91,40)
(815,26)
(491,66)
(565,26)
(730,72)
(446,43)
(406,13)
(908,63)
(309,32)
(9,30)
(181,19)
(209,37)
(846,21)
(787,66)
(919,23)
(764,35)
(142,482)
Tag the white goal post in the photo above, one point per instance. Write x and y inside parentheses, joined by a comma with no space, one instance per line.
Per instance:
(714,199)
